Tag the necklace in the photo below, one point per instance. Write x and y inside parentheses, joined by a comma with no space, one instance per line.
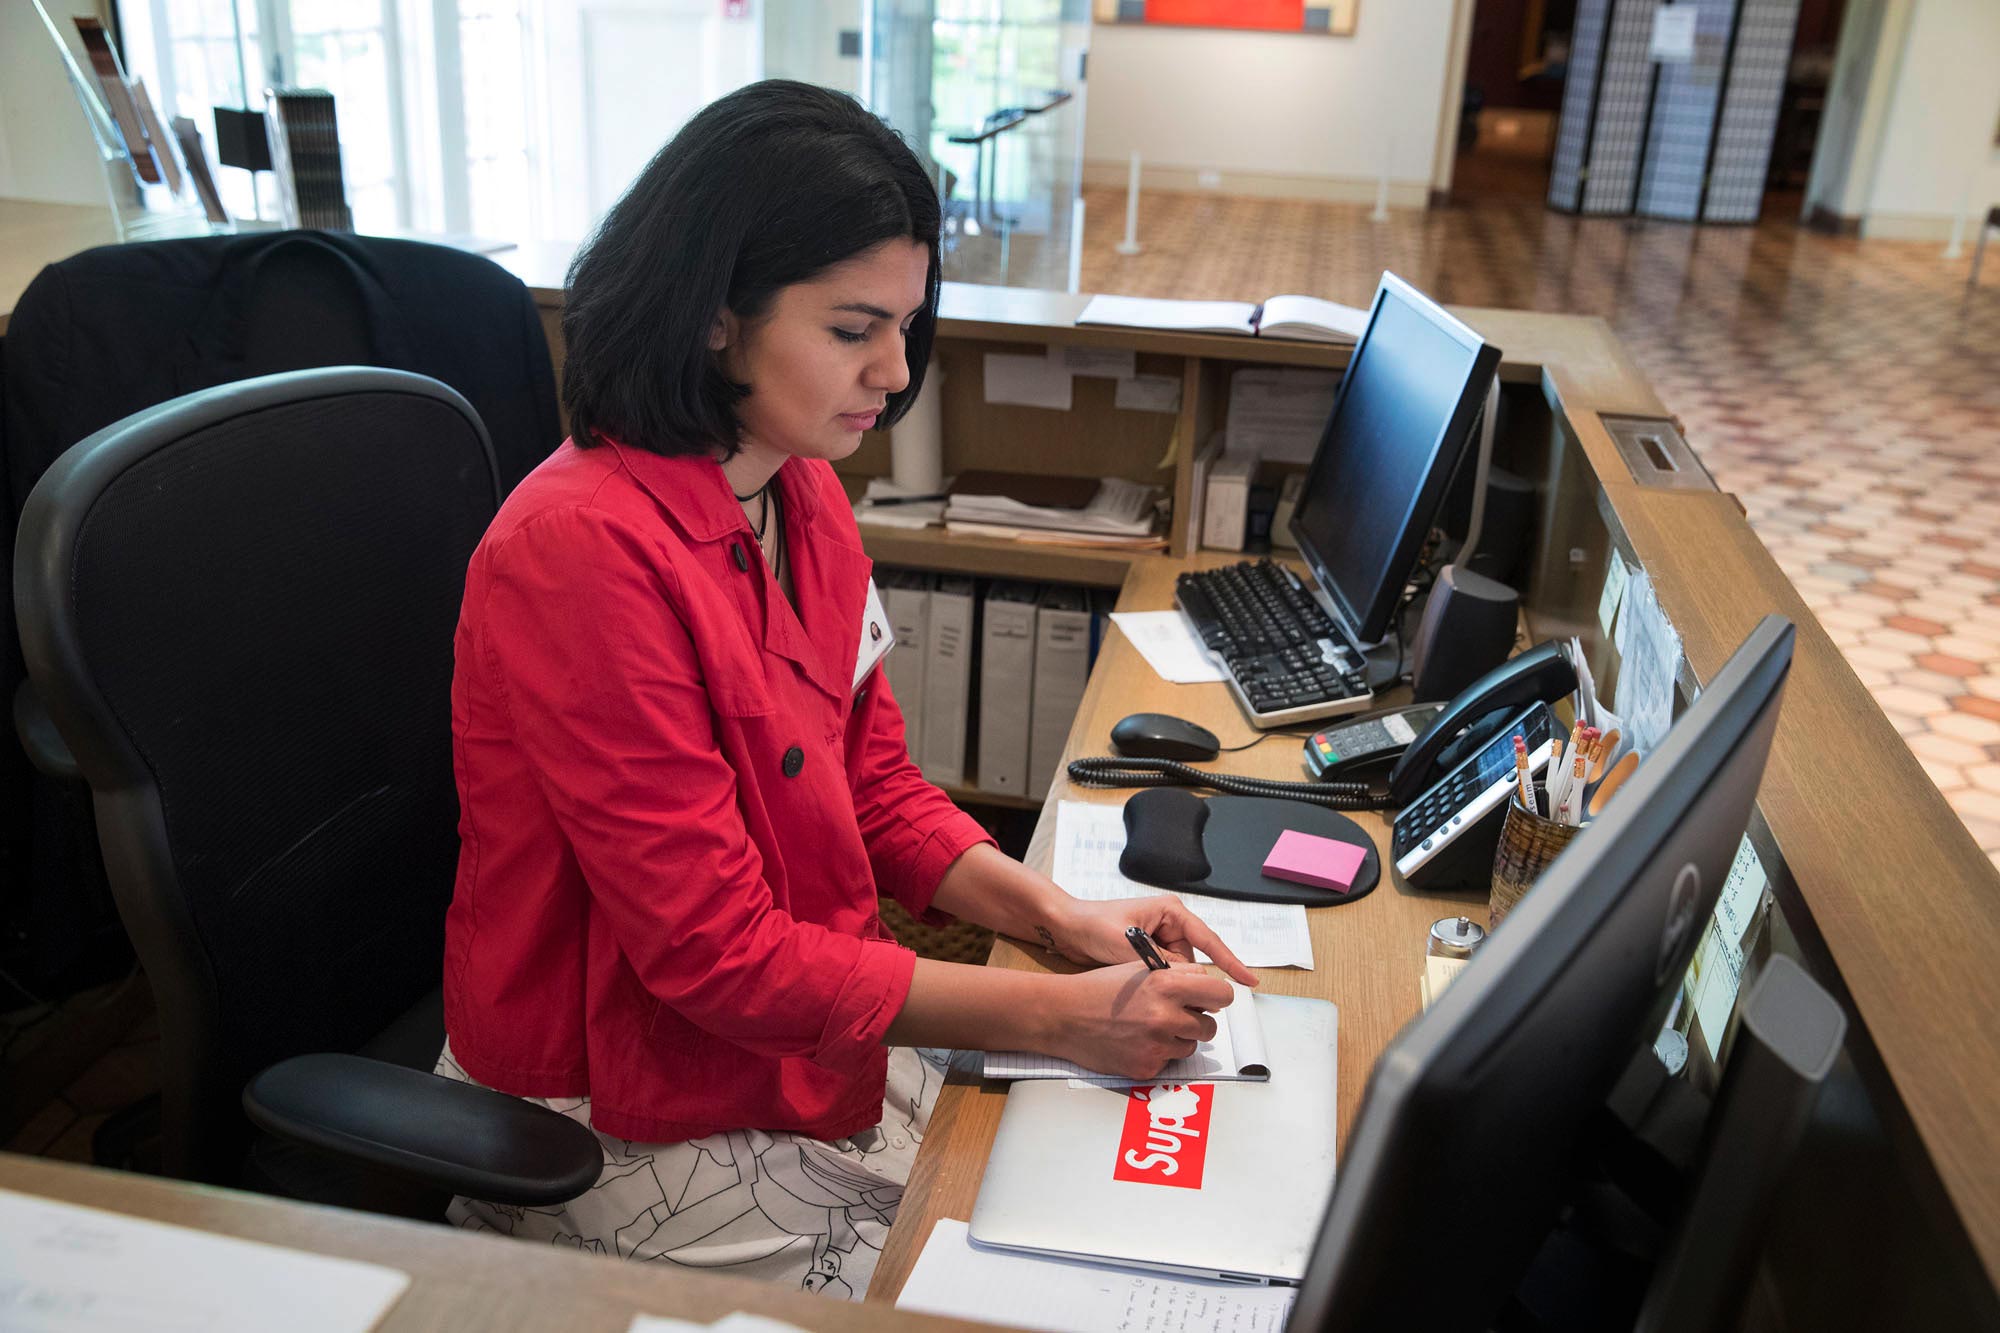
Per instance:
(763,511)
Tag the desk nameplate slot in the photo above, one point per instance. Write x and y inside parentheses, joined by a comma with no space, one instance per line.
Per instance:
(1656,455)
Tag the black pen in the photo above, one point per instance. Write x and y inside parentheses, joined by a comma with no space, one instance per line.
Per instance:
(879,501)
(1142,944)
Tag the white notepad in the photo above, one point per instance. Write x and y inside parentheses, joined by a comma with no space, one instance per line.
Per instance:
(1234,1055)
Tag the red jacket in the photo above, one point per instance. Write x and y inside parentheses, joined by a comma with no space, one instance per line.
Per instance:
(675,813)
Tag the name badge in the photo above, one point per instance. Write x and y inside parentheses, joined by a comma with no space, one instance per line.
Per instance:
(877,638)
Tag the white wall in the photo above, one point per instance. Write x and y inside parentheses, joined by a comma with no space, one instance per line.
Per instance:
(46,152)
(1275,113)
(1937,156)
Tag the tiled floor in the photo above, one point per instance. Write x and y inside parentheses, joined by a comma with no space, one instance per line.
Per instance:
(1848,391)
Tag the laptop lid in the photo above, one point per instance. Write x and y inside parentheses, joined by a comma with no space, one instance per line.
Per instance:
(1211,1180)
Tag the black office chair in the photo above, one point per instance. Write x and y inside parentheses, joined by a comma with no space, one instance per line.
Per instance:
(238,607)
(112,330)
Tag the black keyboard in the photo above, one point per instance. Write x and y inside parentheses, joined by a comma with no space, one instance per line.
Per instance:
(1287,659)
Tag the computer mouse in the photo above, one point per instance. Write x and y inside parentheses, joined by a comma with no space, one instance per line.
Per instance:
(1158,736)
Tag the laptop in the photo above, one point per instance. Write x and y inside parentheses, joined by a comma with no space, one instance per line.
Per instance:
(1206,1180)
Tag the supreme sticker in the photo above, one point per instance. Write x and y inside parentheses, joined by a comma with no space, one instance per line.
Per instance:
(1165,1140)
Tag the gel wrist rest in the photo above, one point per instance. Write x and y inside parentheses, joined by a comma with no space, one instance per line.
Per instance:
(1177,840)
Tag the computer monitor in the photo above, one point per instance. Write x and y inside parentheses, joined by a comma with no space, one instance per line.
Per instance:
(1474,1122)
(1399,428)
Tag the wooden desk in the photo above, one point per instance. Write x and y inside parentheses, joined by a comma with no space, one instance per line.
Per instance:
(1366,954)
(460,1279)
(1892,905)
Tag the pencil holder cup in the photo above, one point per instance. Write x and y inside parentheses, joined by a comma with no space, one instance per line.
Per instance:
(1528,842)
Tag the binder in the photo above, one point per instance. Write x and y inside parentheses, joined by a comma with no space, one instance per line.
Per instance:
(948,680)
(1062,666)
(906,596)
(1006,686)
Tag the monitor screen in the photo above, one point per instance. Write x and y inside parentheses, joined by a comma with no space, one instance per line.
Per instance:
(1399,427)
(1473,1129)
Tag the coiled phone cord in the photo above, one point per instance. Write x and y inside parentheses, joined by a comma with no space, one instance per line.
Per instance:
(1111,771)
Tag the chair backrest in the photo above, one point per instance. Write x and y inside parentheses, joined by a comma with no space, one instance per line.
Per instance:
(238,608)
(112,330)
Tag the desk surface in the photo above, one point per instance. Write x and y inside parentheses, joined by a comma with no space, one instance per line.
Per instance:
(1894,905)
(1366,954)
(459,1279)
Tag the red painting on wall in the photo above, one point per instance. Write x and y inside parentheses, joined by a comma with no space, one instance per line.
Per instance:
(1326,17)
(1277,15)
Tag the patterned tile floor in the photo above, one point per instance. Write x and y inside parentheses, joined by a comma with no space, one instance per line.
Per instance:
(1848,391)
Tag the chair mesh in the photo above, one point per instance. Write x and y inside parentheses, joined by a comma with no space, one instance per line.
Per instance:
(267,606)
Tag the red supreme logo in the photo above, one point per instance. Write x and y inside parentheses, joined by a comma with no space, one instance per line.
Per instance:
(1165,1140)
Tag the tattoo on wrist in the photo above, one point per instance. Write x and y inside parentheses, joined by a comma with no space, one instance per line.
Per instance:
(1048,940)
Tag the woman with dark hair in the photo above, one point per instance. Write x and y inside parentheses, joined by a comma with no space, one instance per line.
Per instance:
(683,780)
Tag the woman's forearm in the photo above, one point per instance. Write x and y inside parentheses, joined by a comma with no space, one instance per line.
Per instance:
(976,1008)
(990,888)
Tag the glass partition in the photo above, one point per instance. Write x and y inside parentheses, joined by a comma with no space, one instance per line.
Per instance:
(992,92)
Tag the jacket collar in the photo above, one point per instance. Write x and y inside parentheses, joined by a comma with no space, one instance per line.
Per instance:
(829,573)
(696,495)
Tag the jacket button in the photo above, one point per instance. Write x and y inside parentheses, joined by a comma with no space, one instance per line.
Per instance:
(736,554)
(795,759)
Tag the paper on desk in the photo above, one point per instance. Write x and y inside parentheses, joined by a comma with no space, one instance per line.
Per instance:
(1649,652)
(1027,381)
(1148,393)
(955,1276)
(736,1322)
(1089,839)
(1169,645)
(1111,363)
(1279,413)
(67,1269)
(1235,1054)
(1717,971)
(1615,578)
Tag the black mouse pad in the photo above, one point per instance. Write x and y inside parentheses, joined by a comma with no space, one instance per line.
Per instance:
(1177,840)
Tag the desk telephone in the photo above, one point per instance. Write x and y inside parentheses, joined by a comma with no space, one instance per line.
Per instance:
(1447,782)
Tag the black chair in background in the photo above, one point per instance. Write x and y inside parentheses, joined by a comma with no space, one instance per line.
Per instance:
(238,608)
(110,331)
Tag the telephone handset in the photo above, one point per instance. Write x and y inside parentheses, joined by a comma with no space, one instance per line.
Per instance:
(1543,674)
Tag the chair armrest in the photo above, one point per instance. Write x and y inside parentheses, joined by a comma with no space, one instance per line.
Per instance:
(452,1135)
(40,738)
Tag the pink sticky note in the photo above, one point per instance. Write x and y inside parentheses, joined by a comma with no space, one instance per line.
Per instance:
(1306,858)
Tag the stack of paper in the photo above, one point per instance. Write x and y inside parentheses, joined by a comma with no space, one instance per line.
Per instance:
(886,505)
(1113,512)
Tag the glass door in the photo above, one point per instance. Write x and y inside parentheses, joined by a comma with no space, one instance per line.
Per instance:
(992,93)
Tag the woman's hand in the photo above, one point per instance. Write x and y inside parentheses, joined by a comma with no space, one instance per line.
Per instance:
(1093,932)
(1129,1021)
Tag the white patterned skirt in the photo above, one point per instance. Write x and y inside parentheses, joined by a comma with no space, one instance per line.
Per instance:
(753,1203)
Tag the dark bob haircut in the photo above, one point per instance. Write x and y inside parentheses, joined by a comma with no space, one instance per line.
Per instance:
(766,187)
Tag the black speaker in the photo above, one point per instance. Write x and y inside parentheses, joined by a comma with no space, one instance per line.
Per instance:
(1467,630)
(1508,525)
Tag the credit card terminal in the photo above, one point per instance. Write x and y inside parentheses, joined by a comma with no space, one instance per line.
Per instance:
(1359,747)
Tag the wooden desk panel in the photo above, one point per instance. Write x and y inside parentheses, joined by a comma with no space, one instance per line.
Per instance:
(460,1280)
(1366,955)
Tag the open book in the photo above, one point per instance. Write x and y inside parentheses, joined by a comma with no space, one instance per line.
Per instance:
(1305,317)
(1234,1055)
